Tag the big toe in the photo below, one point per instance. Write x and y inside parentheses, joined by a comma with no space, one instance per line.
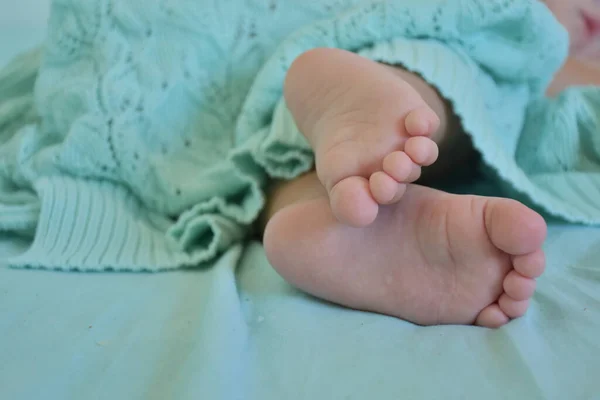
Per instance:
(514,228)
(351,202)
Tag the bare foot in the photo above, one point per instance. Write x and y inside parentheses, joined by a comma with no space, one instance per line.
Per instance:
(370,130)
(433,258)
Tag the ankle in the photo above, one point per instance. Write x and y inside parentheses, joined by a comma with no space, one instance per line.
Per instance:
(282,194)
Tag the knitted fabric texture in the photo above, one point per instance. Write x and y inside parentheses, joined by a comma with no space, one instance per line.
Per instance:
(142,135)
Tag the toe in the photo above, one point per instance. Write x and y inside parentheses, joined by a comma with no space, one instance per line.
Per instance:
(518,287)
(399,166)
(530,265)
(415,174)
(492,317)
(352,203)
(422,150)
(513,227)
(513,308)
(421,122)
(385,189)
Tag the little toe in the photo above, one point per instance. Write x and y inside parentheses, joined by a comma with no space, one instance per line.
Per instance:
(513,308)
(421,121)
(352,203)
(385,189)
(422,150)
(519,287)
(401,167)
(492,317)
(530,265)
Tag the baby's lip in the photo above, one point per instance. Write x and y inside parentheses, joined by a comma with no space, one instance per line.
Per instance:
(591,24)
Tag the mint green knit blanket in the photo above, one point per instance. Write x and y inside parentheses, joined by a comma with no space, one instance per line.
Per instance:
(143,134)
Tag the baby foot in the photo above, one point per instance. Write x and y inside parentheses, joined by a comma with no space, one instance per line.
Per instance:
(370,131)
(433,258)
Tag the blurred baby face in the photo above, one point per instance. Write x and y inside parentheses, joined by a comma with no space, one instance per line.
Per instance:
(582,20)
